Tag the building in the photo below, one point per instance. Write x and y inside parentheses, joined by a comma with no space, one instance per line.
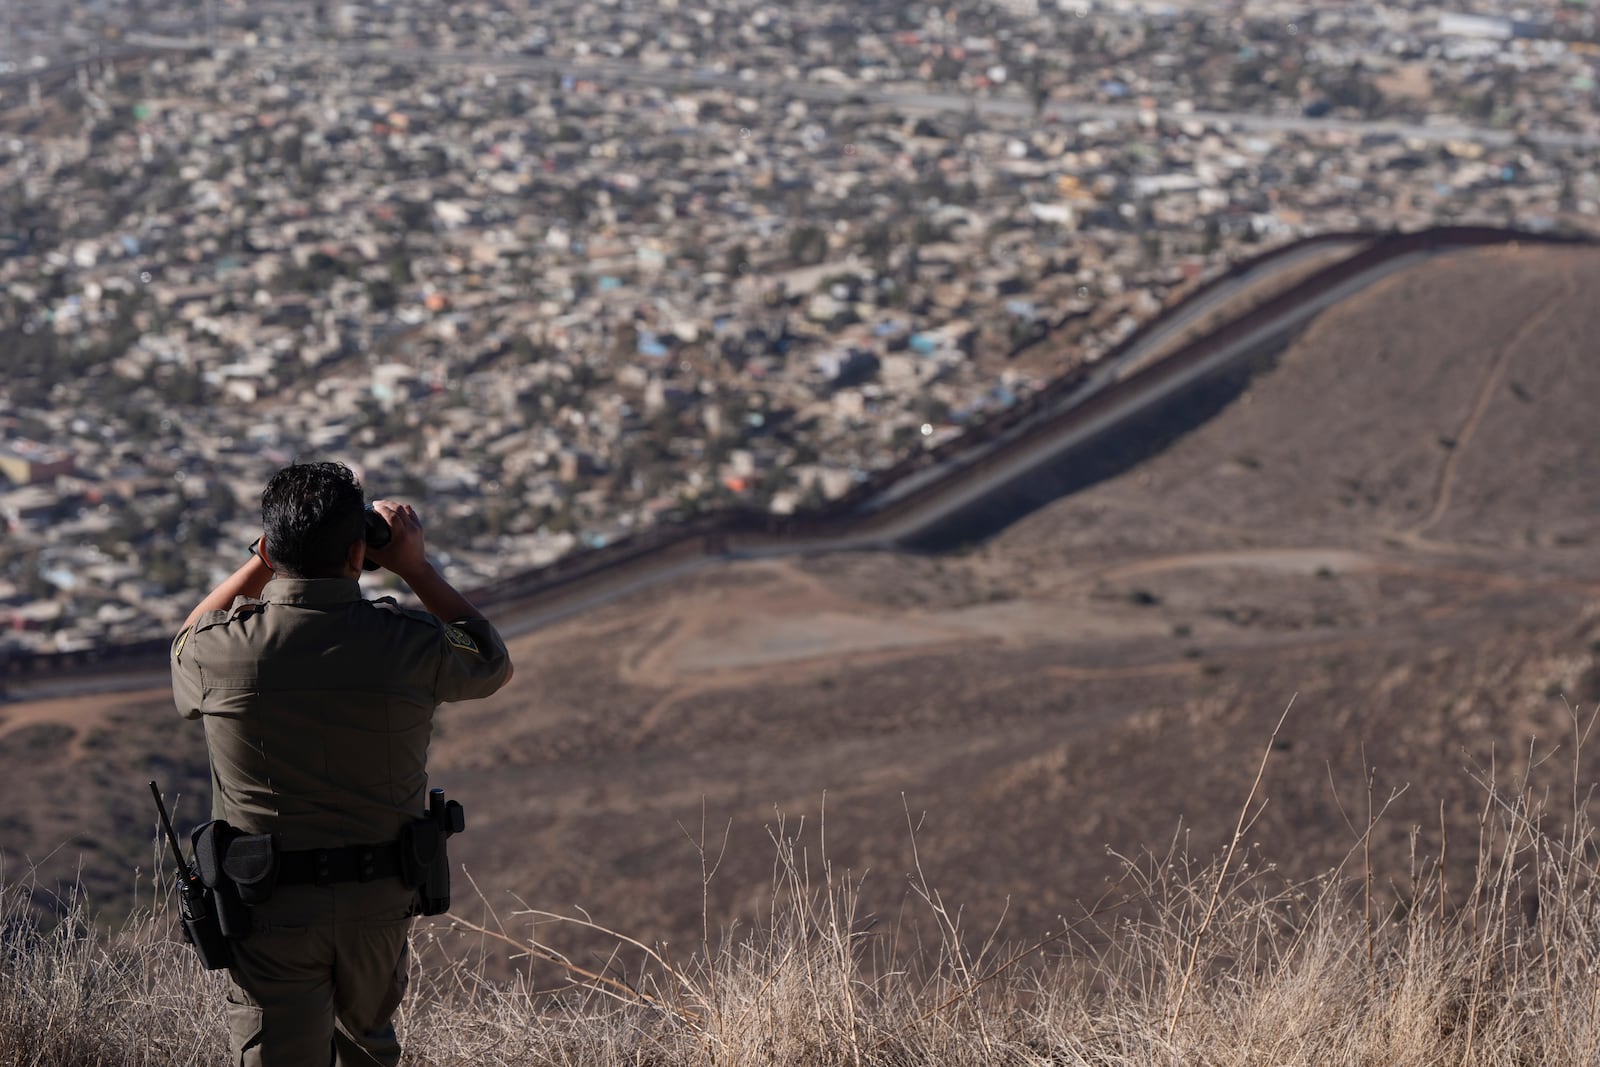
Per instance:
(28,462)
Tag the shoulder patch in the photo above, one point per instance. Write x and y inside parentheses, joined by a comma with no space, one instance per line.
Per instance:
(460,638)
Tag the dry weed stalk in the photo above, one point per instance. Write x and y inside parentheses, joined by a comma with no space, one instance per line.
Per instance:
(1245,818)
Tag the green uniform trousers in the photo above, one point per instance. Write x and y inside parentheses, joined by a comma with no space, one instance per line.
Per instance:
(319,978)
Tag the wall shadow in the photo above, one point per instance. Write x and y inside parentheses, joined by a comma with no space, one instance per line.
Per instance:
(1117,450)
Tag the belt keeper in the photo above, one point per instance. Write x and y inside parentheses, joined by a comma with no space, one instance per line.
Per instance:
(366,865)
(322,873)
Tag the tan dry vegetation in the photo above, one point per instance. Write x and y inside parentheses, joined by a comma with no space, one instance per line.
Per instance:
(1226,962)
(1395,524)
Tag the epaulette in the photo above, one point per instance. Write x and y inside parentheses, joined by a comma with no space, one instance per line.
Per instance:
(394,607)
(215,617)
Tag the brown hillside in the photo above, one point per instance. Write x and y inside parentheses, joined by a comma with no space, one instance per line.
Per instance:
(1393,528)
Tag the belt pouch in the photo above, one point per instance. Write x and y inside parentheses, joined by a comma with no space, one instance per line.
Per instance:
(211,841)
(251,864)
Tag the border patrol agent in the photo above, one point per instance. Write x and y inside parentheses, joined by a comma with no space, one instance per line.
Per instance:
(318,707)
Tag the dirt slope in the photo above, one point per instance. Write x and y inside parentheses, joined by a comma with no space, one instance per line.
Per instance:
(1393,529)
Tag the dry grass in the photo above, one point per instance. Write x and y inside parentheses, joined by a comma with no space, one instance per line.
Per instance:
(1185,962)
(73,996)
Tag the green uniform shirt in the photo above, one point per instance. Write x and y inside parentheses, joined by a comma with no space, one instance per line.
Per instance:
(318,707)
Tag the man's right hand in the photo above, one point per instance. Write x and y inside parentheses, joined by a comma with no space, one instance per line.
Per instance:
(405,554)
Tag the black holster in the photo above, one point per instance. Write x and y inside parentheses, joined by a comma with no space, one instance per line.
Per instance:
(425,865)
(240,869)
(424,859)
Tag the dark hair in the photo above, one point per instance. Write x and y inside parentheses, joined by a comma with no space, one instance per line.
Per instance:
(310,515)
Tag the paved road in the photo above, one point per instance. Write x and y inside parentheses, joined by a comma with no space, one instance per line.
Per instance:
(903,99)
(61,68)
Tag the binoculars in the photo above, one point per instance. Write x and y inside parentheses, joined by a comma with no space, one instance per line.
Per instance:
(377,534)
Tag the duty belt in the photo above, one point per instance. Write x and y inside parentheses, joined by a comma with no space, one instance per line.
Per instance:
(349,863)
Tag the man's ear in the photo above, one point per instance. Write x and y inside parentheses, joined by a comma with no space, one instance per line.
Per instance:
(356,555)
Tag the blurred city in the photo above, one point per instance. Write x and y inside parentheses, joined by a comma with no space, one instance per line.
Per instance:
(560,273)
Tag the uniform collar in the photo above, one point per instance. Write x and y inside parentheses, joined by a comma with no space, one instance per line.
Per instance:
(311,591)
